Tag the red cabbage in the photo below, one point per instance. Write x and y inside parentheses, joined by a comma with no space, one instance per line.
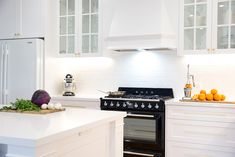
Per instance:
(40,97)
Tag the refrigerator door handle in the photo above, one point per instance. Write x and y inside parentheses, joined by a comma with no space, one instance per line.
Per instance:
(1,73)
(6,76)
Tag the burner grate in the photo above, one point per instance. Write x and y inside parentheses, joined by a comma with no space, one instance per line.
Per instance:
(132,96)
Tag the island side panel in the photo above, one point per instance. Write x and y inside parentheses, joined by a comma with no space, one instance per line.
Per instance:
(115,140)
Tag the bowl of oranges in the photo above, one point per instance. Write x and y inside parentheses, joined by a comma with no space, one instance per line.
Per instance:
(213,95)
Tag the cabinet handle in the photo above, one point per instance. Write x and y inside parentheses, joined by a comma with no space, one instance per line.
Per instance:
(17,34)
(84,132)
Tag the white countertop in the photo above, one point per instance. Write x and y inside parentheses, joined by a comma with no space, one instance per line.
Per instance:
(177,102)
(33,130)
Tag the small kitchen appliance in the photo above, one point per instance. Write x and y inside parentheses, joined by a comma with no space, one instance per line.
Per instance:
(144,129)
(69,86)
(188,86)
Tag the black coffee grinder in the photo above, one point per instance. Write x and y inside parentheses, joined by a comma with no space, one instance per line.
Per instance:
(69,86)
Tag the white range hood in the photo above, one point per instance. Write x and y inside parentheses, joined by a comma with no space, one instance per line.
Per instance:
(143,25)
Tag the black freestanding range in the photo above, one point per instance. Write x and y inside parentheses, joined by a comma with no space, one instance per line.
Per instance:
(144,129)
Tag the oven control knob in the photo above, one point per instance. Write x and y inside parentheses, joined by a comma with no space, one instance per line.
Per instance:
(136,105)
(105,103)
(111,104)
(118,105)
(149,106)
(157,106)
(142,105)
(124,104)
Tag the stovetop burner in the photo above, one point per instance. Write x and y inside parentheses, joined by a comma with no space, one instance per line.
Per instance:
(145,97)
(132,96)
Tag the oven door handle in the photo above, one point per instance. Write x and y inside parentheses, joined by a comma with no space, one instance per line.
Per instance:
(139,154)
(140,115)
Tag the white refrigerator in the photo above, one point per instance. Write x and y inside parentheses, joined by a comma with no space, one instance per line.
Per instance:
(21,68)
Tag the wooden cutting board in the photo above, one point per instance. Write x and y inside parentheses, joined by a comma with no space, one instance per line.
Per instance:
(222,102)
(42,112)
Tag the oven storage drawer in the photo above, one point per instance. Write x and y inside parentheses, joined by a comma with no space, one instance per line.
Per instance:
(177,149)
(212,114)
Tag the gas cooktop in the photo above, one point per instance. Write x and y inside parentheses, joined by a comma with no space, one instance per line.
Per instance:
(138,99)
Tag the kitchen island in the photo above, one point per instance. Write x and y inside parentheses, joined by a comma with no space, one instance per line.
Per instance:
(71,133)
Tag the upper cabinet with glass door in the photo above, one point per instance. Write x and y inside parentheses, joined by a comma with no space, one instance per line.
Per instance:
(79,27)
(223,26)
(67,33)
(194,26)
(207,26)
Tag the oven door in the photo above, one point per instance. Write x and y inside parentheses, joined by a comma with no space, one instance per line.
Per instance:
(144,134)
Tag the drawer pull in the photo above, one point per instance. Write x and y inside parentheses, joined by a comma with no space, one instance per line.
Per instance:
(84,132)
(140,115)
(139,154)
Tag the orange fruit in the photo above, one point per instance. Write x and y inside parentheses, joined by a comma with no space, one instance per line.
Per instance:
(214,91)
(202,97)
(188,86)
(195,97)
(203,92)
(209,97)
(217,97)
(223,97)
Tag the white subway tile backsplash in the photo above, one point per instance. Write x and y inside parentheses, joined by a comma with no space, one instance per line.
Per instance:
(144,70)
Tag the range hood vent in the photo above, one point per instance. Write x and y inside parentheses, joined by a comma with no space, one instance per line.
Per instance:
(139,25)
(147,49)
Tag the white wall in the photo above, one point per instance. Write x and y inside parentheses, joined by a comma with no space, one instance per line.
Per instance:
(142,69)
(146,69)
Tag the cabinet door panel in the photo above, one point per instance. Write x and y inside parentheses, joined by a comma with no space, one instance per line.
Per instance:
(96,149)
(223,36)
(175,149)
(195,26)
(33,16)
(208,133)
(10,12)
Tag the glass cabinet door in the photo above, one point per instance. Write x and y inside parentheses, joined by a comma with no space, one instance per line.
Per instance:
(90,26)
(196,25)
(224,25)
(79,27)
(67,31)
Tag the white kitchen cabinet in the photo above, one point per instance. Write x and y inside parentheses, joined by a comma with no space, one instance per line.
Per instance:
(79,27)
(22,18)
(206,26)
(79,102)
(9,17)
(195,130)
(80,144)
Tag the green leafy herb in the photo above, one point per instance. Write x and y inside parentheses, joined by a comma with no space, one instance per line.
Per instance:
(24,105)
(6,108)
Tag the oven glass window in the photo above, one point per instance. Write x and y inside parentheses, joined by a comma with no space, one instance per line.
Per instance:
(140,129)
